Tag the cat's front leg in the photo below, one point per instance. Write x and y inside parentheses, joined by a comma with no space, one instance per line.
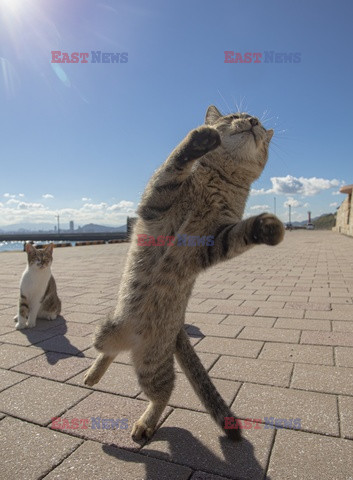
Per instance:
(196,144)
(33,313)
(231,240)
(22,315)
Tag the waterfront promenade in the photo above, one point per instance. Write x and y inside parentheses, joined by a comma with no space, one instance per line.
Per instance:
(274,328)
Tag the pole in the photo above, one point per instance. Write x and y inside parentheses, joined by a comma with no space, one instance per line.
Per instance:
(58,218)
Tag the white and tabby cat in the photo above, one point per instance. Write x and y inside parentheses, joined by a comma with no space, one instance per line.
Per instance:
(38,296)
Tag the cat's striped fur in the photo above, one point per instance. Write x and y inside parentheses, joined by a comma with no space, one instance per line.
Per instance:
(201,189)
(38,295)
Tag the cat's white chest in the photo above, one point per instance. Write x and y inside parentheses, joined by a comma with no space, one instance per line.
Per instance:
(34,283)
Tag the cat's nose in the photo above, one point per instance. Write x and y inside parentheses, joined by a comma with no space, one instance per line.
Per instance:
(254,121)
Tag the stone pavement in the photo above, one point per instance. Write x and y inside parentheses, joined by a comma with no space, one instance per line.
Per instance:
(274,328)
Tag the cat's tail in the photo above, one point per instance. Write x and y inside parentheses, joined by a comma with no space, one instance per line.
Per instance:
(203,386)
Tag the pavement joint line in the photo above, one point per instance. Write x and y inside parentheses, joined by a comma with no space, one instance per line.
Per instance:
(41,477)
(339,417)
(270,455)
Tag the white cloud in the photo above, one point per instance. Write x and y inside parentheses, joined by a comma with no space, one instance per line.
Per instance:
(21,195)
(16,211)
(334,204)
(86,199)
(290,185)
(260,191)
(292,202)
(8,195)
(259,207)
(48,195)
(336,193)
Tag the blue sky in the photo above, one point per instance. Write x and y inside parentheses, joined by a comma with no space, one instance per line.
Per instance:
(82,139)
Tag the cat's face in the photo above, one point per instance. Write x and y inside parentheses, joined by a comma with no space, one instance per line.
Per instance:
(39,258)
(242,136)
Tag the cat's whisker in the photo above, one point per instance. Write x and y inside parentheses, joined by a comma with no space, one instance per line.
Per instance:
(224,100)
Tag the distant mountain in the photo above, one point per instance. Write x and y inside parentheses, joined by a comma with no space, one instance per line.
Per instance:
(49,227)
(93,228)
(323,222)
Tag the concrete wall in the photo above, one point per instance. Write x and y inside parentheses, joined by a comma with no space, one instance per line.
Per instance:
(344,221)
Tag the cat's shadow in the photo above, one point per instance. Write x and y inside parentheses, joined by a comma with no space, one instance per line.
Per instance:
(238,460)
(54,346)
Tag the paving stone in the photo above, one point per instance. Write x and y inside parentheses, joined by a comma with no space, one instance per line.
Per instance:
(300,455)
(93,460)
(206,476)
(289,352)
(120,379)
(82,317)
(108,406)
(242,321)
(66,344)
(323,378)
(338,326)
(55,366)
(7,379)
(328,338)
(75,329)
(280,312)
(44,449)
(317,411)
(346,416)
(303,324)
(270,334)
(27,337)
(210,318)
(331,315)
(344,356)
(252,370)
(193,439)
(11,355)
(229,346)
(202,330)
(38,400)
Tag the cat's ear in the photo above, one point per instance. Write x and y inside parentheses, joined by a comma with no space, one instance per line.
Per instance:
(49,248)
(212,115)
(269,135)
(30,248)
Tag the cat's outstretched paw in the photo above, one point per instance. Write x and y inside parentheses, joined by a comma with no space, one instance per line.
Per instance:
(203,140)
(140,430)
(267,229)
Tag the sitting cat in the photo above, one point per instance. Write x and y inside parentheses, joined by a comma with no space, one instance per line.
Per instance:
(201,189)
(38,289)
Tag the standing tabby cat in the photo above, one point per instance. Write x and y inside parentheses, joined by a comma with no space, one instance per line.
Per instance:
(201,189)
(37,289)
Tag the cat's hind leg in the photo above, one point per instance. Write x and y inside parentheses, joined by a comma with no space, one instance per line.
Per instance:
(111,337)
(156,378)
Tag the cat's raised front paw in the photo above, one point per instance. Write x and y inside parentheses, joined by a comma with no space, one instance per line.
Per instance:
(267,229)
(204,139)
